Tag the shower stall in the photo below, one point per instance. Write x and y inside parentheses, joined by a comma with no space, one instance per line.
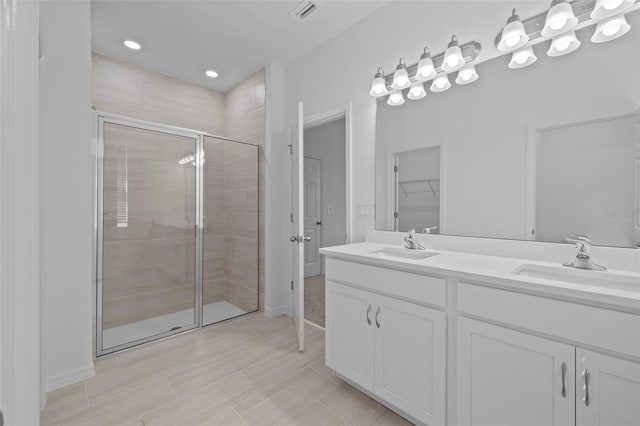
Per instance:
(177,231)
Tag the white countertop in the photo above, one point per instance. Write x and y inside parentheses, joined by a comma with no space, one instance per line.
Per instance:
(493,270)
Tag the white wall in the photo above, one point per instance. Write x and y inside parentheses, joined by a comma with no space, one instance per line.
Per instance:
(484,126)
(66,191)
(19,214)
(327,144)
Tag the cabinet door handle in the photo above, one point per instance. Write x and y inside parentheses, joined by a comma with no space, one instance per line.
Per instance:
(377,315)
(368,316)
(564,377)
(587,376)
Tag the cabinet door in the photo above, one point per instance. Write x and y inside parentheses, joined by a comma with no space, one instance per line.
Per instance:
(411,358)
(511,378)
(350,333)
(613,388)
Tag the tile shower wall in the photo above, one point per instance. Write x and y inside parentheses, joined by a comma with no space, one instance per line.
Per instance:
(245,120)
(132,91)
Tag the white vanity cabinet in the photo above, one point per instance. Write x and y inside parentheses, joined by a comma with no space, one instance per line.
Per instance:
(613,387)
(510,378)
(393,348)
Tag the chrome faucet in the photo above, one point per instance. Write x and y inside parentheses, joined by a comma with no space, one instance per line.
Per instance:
(583,259)
(412,243)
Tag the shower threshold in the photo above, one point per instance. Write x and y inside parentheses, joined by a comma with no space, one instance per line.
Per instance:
(211,313)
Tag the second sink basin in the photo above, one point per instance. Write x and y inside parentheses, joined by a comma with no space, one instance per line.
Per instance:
(403,254)
(580,276)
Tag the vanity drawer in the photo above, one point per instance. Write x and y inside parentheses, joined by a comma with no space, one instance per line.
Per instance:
(419,288)
(604,328)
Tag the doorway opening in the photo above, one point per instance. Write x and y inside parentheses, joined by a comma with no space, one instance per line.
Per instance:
(325,207)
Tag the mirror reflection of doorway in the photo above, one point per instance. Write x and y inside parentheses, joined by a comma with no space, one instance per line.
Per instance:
(324,207)
(417,190)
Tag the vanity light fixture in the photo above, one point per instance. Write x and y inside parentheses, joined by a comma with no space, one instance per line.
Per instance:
(211,73)
(560,19)
(378,85)
(395,98)
(522,58)
(440,83)
(401,77)
(453,59)
(610,29)
(426,70)
(563,44)
(417,92)
(467,74)
(133,45)
(608,8)
(513,35)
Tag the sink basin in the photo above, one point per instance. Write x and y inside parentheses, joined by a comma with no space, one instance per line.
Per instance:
(580,276)
(404,254)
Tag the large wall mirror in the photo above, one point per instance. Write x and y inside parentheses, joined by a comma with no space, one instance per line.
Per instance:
(534,154)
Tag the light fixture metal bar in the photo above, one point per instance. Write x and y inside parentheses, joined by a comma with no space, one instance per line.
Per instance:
(533,26)
(470,51)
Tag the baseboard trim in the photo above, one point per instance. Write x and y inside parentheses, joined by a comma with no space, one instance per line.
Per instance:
(70,377)
(274,312)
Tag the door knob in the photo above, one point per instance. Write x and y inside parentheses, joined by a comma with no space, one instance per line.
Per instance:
(319,223)
(294,239)
(306,238)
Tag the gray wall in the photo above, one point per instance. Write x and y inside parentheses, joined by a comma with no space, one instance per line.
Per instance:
(327,143)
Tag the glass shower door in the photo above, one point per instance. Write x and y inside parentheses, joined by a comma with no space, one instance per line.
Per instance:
(148,234)
(230,263)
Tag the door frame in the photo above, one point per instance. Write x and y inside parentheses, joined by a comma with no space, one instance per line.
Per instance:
(327,116)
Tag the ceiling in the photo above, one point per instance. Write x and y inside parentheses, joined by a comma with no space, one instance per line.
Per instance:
(235,38)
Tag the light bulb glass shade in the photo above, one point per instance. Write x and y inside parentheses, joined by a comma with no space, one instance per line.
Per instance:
(400,79)
(378,86)
(395,98)
(610,29)
(453,59)
(560,19)
(467,74)
(417,92)
(563,44)
(426,70)
(513,34)
(133,45)
(440,83)
(608,8)
(522,58)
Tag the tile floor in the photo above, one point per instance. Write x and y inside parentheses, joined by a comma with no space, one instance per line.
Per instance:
(243,372)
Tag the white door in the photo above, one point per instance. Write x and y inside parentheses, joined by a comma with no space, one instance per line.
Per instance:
(511,378)
(613,389)
(410,358)
(297,226)
(350,333)
(312,215)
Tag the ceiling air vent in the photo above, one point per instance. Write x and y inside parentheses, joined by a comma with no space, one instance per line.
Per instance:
(304,9)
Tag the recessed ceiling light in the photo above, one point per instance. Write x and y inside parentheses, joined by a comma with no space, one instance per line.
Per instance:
(211,73)
(132,45)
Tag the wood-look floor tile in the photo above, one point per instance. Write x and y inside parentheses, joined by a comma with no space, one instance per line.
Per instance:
(382,416)
(282,405)
(194,379)
(64,402)
(313,414)
(218,397)
(349,404)
(123,409)
(243,372)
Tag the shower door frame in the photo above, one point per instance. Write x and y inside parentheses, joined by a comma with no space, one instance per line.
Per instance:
(100,119)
